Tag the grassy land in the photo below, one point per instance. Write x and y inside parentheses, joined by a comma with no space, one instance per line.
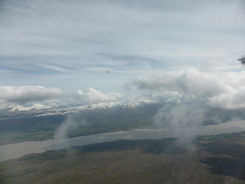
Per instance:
(216,160)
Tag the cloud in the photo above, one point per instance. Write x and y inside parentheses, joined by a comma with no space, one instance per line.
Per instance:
(184,120)
(223,89)
(26,94)
(95,96)
(180,116)
(25,98)
(192,99)
(69,125)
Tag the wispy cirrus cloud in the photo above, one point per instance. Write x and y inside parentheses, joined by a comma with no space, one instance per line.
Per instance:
(131,37)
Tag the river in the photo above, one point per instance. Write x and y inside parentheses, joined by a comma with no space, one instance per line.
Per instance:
(17,150)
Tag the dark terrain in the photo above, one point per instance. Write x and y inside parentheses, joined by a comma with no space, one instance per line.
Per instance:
(101,120)
(210,159)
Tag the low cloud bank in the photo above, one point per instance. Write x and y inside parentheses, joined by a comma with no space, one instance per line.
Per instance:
(25,98)
(225,89)
(26,94)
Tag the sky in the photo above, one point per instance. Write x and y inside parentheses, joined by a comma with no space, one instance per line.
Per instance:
(108,50)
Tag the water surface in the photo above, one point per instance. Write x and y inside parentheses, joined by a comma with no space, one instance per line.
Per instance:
(13,151)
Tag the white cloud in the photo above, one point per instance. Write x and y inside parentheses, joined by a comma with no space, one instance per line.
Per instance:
(24,98)
(216,89)
(95,96)
(26,94)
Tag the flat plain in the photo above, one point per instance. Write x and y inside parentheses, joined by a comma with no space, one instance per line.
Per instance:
(211,159)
